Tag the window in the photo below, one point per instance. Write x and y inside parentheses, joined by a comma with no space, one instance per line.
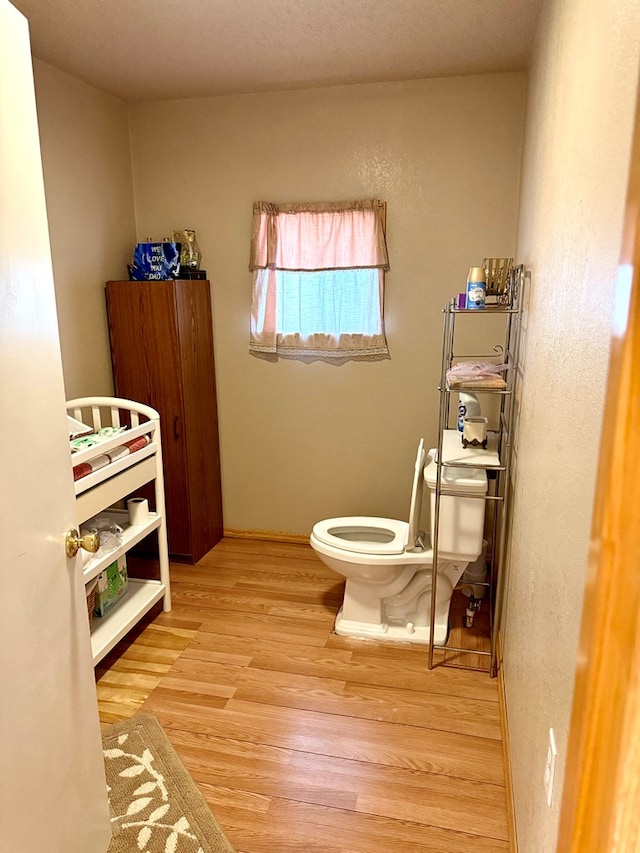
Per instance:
(318,285)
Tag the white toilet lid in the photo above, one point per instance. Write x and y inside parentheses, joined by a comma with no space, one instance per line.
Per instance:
(369,535)
(415,507)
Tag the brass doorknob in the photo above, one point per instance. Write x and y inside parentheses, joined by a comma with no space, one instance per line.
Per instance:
(73,542)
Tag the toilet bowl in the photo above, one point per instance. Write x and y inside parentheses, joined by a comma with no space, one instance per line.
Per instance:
(388,563)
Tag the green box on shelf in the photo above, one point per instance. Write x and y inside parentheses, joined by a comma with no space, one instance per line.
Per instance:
(112,585)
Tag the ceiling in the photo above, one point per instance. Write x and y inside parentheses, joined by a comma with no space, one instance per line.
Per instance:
(141,50)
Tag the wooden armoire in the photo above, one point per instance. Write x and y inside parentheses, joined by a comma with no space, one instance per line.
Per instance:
(162,353)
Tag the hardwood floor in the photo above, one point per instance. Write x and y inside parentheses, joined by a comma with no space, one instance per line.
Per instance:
(299,739)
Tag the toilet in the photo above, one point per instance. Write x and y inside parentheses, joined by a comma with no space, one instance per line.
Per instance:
(387,563)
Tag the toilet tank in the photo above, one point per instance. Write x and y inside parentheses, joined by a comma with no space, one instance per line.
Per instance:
(461,526)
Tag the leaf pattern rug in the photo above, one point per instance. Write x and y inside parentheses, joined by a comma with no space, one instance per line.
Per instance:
(155,805)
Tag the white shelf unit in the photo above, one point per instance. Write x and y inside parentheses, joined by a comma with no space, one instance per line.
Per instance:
(99,492)
(495,459)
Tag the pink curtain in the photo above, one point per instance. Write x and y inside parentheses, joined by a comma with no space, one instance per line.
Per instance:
(315,238)
(323,236)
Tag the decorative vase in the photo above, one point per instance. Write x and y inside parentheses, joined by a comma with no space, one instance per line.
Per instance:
(190,255)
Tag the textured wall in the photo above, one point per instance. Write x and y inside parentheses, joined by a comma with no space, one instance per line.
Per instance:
(299,441)
(581,102)
(87,173)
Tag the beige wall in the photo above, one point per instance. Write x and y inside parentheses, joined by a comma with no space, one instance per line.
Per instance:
(87,170)
(301,442)
(582,96)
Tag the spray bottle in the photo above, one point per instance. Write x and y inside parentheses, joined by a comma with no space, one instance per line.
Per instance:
(468,407)
(476,288)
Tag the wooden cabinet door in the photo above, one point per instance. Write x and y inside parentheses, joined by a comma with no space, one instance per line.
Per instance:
(146,356)
(195,334)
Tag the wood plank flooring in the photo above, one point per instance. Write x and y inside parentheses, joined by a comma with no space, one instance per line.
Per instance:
(126,677)
(299,739)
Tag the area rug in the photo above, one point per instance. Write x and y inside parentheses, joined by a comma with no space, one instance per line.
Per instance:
(155,805)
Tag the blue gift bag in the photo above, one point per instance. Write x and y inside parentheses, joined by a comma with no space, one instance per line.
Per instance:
(156,261)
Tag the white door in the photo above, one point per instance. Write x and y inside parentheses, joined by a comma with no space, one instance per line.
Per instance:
(52,786)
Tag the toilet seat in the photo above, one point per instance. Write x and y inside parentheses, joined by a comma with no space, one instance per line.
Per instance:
(363,534)
(377,536)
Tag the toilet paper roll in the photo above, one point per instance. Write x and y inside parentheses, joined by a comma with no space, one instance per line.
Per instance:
(138,511)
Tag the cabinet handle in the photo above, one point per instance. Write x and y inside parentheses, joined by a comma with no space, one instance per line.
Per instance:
(176,431)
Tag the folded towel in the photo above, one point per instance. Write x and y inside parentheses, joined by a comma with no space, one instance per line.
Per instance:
(477,374)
